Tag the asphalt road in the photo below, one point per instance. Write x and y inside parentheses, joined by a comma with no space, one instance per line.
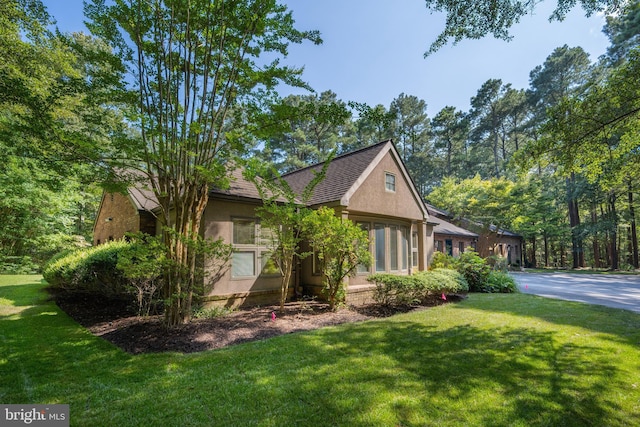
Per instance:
(612,290)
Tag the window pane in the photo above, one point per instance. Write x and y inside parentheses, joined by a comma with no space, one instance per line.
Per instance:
(363,268)
(243,264)
(414,260)
(244,232)
(267,237)
(390,182)
(380,248)
(267,264)
(393,247)
(405,248)
(414,240)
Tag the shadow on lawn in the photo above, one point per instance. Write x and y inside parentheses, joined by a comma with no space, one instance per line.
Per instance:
(618,325)
(496,376)
(385,372)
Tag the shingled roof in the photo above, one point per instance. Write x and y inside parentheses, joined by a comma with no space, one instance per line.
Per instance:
(444,227)
(342,174)
(239,187)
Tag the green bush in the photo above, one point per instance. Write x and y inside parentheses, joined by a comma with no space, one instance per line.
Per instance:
(18,265)
(499,281)
(442,260)
(474,269)
(417,288)
(93,270)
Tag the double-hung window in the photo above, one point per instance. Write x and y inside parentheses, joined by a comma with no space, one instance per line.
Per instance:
(251,255)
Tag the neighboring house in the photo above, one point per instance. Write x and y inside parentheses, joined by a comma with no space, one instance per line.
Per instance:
(486,242)
(370,186)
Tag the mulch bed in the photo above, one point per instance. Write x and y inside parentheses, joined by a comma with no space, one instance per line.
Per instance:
(115,322)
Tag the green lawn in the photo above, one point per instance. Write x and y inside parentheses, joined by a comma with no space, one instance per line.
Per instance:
(491,360)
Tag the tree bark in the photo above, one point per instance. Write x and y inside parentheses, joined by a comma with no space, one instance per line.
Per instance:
(574,221)
(596,246)
(634,234)
(615,265)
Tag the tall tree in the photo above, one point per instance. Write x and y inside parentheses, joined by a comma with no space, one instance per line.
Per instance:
(450,129)
(563,74)
(488,116)
(623,31)
(304,129)
(191,64)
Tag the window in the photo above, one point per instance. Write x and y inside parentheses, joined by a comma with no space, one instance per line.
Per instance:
(439,246)
(361,267)
(460,248)
(243,264)
(390,182)
(393,247)
(404,244)
(268,265)
(244,232)
(251,256)
(448,245)
(414,249)
(381,249)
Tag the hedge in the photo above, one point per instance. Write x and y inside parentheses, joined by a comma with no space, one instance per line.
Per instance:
(418,288)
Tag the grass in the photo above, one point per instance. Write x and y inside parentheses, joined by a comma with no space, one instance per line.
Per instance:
(502,359)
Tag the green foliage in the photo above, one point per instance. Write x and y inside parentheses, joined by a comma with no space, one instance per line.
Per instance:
(142,262)
(340,246)
(478,18)
(500,282)
(92,270)
(212,312)
(442,260)
(419,288)
(474,269)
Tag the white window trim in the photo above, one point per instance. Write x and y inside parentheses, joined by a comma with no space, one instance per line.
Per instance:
(395,181)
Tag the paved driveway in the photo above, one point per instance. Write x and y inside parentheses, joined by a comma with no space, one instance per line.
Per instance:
(612,290)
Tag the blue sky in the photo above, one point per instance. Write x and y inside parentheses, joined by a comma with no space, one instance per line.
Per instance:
(373,49)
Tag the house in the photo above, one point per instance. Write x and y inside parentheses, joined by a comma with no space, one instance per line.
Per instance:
(370,186)
(487,241)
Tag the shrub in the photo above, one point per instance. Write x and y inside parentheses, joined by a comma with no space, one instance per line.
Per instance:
(417,288)
(93,270)
(18,265)
(442,260)
(499,281)
(498,263)
(474,269)
(114,269)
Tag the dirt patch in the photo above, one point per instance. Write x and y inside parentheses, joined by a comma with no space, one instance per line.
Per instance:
(114,321)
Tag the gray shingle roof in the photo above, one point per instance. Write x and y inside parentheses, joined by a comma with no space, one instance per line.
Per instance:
(445,227)
(341,175)
(241,188)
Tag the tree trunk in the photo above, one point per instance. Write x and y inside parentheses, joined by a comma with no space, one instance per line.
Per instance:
(634,234)
(546,249)
(534,249)
(615,265)
(596,247)
(574,221)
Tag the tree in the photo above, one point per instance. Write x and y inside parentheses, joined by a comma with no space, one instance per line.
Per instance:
(191,65)
(304,129)
(282,217)
(623,31)
(487,117)
(474,19)
(340,246)
(451,131)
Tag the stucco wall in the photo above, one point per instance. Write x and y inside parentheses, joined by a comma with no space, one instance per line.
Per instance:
(372,196)
(218,224)
(117,216)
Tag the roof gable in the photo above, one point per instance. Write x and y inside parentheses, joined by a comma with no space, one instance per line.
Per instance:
(347,173)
